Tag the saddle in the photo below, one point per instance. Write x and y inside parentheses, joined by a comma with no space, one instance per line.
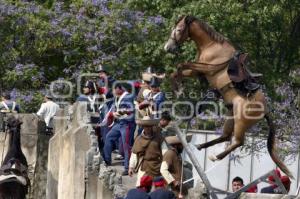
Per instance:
(242,78)
(14,171)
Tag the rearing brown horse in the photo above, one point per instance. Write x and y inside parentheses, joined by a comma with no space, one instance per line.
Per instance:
(214,54)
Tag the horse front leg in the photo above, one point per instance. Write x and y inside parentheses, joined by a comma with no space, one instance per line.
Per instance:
(176,82)
(177,78)
(239,137)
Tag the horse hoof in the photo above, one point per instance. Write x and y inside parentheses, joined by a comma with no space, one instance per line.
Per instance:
(213,158)
(198,146)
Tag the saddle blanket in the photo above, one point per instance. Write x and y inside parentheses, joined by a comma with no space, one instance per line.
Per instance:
(13,178)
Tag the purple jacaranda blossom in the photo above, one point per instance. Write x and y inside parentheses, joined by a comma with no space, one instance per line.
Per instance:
(96,2)
(96,62)
(105,10)
(126,24)
(34,78)
(19,69)
(157,20)
(14,94)
(21,21)
(27,98)
(67,70)
(145,31)
(54,22)
(92,48)
(58,7)
(66,33)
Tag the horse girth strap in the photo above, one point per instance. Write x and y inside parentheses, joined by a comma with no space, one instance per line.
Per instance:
(223,63)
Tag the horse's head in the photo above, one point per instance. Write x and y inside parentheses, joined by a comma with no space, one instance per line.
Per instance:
(180,33)
(13,123)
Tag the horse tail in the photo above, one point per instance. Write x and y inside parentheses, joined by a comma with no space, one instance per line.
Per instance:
(272,149)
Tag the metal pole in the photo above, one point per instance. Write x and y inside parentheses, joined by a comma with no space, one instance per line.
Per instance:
(195,162)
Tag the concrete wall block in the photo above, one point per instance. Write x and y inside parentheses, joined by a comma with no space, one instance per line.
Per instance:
(264,196)
(53,165)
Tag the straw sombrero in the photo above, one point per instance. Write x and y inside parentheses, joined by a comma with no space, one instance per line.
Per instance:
(146,76)
(147,121)
(172,140)
(175,140)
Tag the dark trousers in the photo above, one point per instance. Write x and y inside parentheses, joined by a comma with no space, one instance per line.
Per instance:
(126,132)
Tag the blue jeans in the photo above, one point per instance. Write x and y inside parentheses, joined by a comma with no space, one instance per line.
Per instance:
(126,132)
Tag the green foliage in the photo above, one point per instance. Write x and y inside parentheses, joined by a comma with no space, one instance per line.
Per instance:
(51,39)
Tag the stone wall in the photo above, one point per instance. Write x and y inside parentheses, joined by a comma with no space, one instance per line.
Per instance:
(67,154)
(68,166)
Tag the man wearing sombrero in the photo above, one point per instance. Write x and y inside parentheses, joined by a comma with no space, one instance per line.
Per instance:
(147,151)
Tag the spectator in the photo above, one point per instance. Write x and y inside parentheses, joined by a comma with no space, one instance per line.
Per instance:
(155,98)
(47,112)
(123,126)
(145,86)
(7,105)
(142,95)
(104,87)
(141,192)
(105,82)
(252,189)
(164,124)
(237,184)
(147,151)
(274,189)
(89,95)
(171,167)
(160,191)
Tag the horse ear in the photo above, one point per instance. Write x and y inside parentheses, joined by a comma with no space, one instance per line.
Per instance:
(189,19)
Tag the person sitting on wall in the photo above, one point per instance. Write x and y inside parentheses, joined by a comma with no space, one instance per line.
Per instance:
(160,191)
(7,105)
(47,111)
(141,192)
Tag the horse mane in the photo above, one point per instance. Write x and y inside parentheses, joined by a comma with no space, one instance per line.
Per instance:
(213,34)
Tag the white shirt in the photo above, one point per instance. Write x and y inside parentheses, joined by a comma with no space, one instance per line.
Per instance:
(48,111)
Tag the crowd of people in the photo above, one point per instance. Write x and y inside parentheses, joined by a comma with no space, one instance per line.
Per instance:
(128,118)
(132,122)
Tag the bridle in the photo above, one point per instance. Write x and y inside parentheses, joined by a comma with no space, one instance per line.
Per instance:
(187,23)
